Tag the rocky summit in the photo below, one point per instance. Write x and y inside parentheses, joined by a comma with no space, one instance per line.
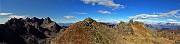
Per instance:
(44,31)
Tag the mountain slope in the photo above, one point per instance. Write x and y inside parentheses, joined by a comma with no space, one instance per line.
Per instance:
(137,33)
(85,32)
(91,32)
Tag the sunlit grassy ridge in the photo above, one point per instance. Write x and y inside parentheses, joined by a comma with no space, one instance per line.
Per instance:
(87,31)
(91,32)
(137,33)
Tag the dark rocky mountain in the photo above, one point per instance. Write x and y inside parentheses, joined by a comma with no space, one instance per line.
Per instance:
(28,31)
(9,36)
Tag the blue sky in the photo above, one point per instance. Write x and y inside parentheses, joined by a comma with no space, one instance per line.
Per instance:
(68,11)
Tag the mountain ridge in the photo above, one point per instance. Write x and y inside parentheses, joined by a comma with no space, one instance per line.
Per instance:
(134,33)
(44,31)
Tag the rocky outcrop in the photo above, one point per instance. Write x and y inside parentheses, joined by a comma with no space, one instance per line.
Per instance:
(89,20)
(32,30)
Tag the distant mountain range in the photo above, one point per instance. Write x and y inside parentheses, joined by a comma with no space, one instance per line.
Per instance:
(65,24)
(163,25)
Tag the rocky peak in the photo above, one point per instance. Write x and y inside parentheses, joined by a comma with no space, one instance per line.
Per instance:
(89,20)
(27,19)
(47,20)
(31,28)
(35,19)
(131,21)
(15,22)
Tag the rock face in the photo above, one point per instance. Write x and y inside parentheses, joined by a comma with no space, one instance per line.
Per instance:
(31,31)
(8,36)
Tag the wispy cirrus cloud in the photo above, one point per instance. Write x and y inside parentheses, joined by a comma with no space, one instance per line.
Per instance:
(144,16)
(5,14)
(171,20)
(105,12)
(170,13)
(177,16)
(11,15)
(69,17)
(148,21)
(109,20)
(173,13)
(107,3)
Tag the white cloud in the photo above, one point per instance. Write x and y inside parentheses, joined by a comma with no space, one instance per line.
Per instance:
(171,20)
(69,17)
(4,14)
(170,13)
(173,13)
(105,12)
(16,16)
(148,21)
(144,16)
(80,13)
(109,20)
(107,3)
(8,16)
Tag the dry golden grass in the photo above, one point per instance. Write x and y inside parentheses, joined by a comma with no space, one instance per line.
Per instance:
(92,32)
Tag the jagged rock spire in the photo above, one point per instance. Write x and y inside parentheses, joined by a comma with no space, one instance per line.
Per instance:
(47,20)
(131,21)
(35,19)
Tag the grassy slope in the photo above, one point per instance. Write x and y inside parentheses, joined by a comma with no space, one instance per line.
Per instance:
(97,33)
(82,33)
